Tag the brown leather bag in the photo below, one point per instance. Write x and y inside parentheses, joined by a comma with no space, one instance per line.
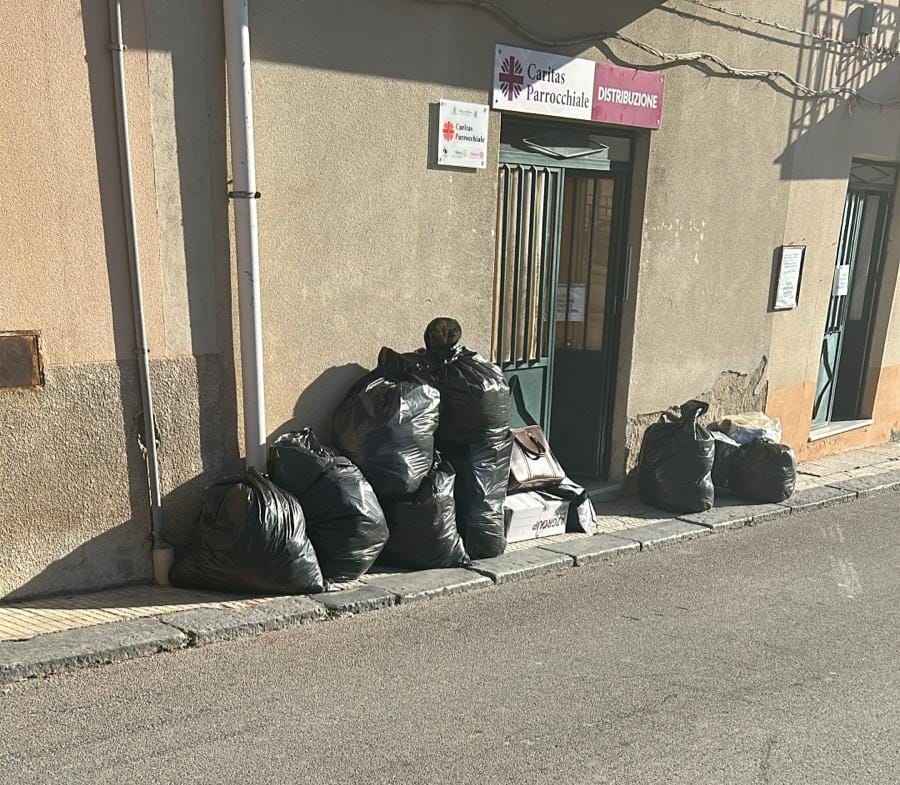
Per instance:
(532,465)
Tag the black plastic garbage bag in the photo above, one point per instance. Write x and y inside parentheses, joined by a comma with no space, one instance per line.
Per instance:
(423,532)
(386,425)
(250,537)
(764,472)
(727,453)
(343,517)
(676,461)
(482,475)
(473,434)
(474,397)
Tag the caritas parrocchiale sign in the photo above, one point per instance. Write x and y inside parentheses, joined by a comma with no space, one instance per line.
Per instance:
(560,86)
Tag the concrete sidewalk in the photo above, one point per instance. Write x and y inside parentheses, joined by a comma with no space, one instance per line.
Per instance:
(46,635)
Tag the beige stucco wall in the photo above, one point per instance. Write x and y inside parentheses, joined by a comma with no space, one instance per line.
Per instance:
(73,487)
(60,233)
(824,137)
(737,170)
(363,239)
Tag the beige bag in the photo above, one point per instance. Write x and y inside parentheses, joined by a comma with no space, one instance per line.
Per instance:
(532,465)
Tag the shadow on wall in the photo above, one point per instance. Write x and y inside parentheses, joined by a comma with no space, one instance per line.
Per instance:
(115,556)
(316,404)
(824,134)
(313,35)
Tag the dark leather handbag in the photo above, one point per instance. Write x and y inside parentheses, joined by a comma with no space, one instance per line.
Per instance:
(532,465)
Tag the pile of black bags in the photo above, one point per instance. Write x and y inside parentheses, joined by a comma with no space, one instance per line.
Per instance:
(344,519)
(474,436)
(758,471)
(423,532)
(386,426)
(418,480)
(430,431)
(683,464)
(316,520)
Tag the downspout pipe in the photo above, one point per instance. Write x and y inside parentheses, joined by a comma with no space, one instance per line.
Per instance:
(244,196)
(161,550)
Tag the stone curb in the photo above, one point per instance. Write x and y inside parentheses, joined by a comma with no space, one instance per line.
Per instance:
(358,600)
(653,535)
(817,498)
(869,486)
(425,584)
(734,516)
(518,565)
(98,645)
(205,625)
(119,641)
(600,547)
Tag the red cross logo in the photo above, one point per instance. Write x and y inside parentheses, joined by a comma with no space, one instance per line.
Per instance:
(449,131)
(511,78)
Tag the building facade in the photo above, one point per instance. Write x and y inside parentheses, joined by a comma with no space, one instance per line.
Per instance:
(614,269)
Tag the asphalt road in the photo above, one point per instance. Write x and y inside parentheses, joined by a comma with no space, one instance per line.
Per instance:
(767,655)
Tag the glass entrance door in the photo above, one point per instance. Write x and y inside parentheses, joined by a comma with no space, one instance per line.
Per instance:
(587,305)
(844,358)
(559,278)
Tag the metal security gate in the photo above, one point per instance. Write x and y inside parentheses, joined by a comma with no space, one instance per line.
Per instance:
(529,206)
(844,357)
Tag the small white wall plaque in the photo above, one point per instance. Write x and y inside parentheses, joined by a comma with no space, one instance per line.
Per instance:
(462,134)
(790,271)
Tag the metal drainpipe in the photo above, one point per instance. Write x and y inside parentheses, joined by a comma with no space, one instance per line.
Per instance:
(244,196)
(162,552)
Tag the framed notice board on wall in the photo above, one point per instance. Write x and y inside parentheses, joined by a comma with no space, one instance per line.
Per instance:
(790,273)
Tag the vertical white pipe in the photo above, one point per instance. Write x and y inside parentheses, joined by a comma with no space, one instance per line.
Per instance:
(244,195)
(161,551)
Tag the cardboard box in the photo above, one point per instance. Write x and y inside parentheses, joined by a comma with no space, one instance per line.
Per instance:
(529,516)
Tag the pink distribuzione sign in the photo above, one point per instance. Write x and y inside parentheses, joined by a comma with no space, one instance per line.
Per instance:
(626,96)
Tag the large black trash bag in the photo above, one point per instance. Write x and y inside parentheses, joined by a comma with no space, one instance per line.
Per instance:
(765,471)
(343,517)
(676,461)
(386,425)
(423,532)
(473,435)
(727,454)
(250,537)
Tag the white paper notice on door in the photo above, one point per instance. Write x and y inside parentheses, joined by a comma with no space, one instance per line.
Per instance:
(841,280)
(570,302)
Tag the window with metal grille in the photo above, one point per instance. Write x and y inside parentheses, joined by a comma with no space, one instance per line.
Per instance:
(528,212)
